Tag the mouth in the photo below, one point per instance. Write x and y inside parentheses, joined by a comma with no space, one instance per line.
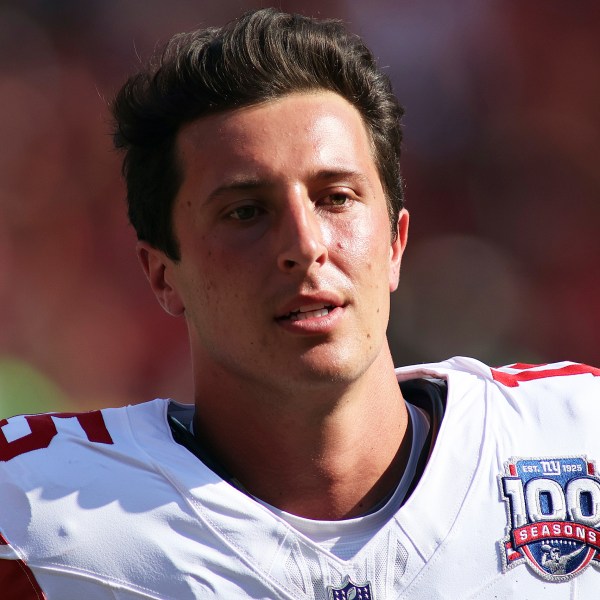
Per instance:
(310,311)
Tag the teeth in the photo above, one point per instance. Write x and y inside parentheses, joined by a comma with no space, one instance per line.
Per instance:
(309,314)
(311,307)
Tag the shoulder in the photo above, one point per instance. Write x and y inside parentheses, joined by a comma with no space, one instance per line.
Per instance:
(31,438)
(57,452)
(68,480)
(562,392)
(559,376)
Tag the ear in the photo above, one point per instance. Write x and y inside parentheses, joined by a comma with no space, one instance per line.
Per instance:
(159,270)
(397,248)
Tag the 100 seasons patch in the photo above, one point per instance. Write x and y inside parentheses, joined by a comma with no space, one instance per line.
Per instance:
(553,513)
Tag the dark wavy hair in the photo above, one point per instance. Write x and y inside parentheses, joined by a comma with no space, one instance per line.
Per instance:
(262,56)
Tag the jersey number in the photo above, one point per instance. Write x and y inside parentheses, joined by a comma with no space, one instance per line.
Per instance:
(43,429)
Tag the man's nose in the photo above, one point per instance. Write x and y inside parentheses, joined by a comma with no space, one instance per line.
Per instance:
(301,242)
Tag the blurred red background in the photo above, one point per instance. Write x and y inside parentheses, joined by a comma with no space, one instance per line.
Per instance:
(501,162)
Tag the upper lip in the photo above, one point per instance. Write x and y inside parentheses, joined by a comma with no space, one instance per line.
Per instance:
(305,303)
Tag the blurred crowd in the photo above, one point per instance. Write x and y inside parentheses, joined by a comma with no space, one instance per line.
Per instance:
(501,164)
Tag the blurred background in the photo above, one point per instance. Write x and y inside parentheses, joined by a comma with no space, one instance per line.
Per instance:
(501,162)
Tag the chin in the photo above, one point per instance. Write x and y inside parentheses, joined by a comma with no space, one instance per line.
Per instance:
(339,369)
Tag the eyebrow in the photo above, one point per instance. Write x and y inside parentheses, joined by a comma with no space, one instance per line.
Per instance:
(329,174)
(243,184)
(250,183)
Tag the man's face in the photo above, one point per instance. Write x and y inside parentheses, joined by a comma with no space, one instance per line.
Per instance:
(286,256)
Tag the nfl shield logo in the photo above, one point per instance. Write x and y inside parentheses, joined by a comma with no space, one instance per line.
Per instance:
(553,513)
(350,591)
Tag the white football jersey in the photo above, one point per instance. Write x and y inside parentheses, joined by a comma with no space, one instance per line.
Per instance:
(107,506)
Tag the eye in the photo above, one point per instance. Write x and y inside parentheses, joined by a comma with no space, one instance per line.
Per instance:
(337,199)
(245,213)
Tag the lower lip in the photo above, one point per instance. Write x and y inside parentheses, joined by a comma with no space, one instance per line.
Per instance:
(314,325)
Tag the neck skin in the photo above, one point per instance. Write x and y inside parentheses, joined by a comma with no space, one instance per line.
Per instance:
(327,452)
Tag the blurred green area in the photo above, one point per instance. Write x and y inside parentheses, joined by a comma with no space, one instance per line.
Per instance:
(24,390)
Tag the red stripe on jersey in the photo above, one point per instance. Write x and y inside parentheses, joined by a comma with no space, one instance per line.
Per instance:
(523,366)
(17,582)
(513,379)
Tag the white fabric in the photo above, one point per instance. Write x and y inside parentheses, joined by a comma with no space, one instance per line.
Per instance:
(142,518)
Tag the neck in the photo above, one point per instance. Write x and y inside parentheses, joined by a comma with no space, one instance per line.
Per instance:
(329,453)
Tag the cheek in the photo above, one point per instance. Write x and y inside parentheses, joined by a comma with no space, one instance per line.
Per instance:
(365,245)
(351,235)
(201,282)
(224,283)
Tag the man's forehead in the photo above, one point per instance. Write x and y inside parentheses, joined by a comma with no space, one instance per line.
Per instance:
(317,110)
(305,136)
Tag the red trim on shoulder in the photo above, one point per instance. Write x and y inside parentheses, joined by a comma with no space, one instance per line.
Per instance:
(527,374)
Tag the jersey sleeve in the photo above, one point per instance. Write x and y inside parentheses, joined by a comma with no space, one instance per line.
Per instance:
(27,465)
(17,581)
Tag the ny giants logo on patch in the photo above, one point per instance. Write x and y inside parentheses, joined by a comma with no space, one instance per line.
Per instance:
(553,511)
(350,591)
